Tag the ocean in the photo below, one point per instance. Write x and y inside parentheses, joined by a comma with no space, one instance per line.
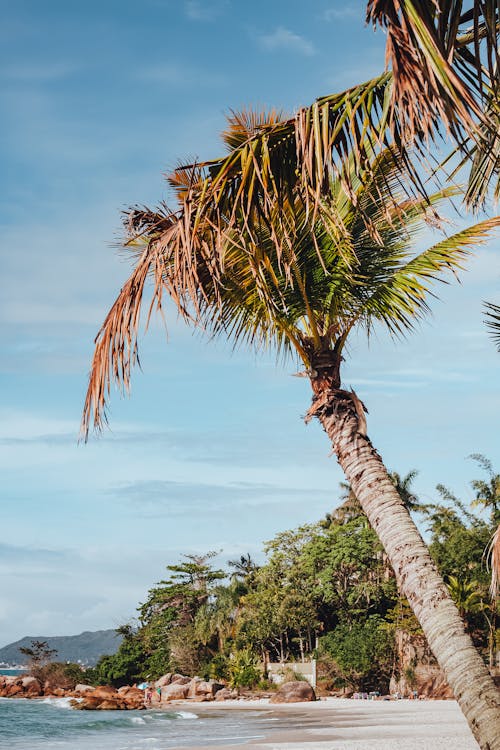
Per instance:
(51,724)
(11,671)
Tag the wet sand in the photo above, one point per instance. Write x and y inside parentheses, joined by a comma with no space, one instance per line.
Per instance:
(337,724)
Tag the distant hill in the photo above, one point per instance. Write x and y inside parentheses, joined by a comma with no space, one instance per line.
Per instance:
(85,648)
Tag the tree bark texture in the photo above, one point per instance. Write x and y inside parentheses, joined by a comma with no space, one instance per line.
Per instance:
(416,573)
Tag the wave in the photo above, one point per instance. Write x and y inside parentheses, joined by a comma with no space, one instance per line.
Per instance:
(60,702)
(185,715)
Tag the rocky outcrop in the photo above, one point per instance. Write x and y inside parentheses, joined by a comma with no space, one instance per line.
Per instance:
(294,692)
(225,694)
(109,699)
(174,692)
(418,670)
(170,687)
(18,686)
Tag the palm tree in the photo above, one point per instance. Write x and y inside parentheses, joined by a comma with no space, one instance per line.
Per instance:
(467,597)
(488,495)
(300,271)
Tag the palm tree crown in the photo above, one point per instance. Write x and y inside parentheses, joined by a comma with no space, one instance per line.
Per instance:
(293,277)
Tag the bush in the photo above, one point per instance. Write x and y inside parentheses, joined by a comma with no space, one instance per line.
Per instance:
(218,669)
(243,671)
(362,652)
(59,675)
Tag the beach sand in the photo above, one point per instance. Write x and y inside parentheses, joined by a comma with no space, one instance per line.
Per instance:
(337,724)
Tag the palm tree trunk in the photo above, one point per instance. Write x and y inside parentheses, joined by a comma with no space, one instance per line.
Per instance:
(340,413)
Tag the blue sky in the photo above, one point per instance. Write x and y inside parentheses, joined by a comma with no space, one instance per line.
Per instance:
(99,100)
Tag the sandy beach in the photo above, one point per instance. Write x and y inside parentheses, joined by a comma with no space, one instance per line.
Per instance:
(336,724)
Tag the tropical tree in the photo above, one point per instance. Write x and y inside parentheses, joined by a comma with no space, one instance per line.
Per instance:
(488,495)
(300,271)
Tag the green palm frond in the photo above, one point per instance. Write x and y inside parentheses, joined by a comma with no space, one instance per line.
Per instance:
(296,159)
(493,321)
(402,299)
(277,272)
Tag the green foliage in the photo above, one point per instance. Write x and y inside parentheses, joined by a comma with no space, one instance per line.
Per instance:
(363,653)
(243,671)
(61,675)
(126,667)
(219,668)
(38,653)
(329,581)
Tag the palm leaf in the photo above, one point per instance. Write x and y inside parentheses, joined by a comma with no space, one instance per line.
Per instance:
(493,321)
(445,64)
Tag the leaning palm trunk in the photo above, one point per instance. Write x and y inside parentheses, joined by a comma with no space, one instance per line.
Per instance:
(340,413)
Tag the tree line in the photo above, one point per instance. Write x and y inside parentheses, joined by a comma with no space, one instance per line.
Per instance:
(326,590)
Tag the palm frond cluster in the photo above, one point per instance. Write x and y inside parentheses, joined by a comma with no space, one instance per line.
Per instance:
(265,266)
(445,62)
(493,321)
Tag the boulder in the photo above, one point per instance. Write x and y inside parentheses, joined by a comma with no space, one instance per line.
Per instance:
(87,704)
(104,692)
(83,688)
(131,697)
(180,679)
(110,705)
(165,680)
(294,692)
(175,691)
(198,686)
(225,694)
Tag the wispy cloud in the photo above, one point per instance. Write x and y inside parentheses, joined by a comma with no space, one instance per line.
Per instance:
(204,11)
(180,74)
(284,39)
(33,72)
(164,497)
(339,14)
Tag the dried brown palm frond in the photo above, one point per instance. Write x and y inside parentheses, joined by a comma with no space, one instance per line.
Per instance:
(272,161)
(446,68)
(272,271)
(494,560)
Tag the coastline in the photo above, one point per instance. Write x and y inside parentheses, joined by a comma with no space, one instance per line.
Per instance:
(341,724)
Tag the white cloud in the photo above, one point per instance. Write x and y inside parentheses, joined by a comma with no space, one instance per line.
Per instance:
(204,11)
(339,14)
(178,74)
(31,72)
(284,39)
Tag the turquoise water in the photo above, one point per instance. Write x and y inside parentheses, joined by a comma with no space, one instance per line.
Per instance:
(13,672)
(51,724)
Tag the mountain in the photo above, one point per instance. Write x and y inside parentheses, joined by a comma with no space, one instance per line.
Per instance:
(85,648)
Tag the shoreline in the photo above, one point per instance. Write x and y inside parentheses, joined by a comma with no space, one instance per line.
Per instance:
(342,724)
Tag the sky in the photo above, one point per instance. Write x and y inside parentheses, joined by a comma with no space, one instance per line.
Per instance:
(99,101)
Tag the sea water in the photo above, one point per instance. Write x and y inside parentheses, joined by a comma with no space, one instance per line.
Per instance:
(52,724)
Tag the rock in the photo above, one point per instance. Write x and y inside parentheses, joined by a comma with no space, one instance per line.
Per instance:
(294,692)
(87,704)
(175,691)
(83,688)
(104,692)
(165,680)
(225,694)
(110,705)
(181,679)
